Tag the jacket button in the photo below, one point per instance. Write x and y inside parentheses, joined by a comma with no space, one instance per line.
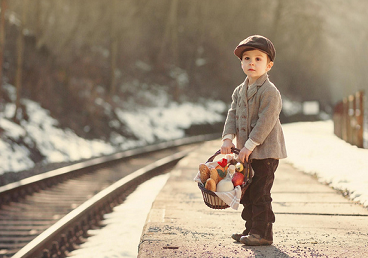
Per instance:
(243,129)
(243,117)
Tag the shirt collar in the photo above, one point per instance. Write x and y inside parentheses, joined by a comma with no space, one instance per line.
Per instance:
(259,81)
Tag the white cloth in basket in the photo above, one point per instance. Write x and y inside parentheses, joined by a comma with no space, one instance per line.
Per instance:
(231,198)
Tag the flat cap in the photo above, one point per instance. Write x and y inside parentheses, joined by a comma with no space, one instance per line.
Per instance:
(256,42)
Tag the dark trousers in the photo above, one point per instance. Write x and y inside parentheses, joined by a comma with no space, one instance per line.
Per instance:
(257,211)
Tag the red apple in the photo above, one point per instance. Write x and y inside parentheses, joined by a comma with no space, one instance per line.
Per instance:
(237,179)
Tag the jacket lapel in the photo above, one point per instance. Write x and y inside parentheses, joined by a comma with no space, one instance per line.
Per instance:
(243,92)
(253,90)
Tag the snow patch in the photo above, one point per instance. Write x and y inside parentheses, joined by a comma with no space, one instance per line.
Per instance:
(313,148)
(149,125)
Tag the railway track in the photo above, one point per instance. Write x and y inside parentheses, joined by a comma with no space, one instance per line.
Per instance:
(49,215)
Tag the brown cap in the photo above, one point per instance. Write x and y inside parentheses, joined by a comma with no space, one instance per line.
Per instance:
(256,42)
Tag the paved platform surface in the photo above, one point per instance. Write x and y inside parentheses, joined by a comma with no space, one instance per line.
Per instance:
(312,220)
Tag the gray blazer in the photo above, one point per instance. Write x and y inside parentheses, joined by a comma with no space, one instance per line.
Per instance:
(254,114)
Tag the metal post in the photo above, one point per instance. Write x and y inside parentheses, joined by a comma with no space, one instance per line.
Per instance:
(353,121)
(338,121)
(344,119)
(350,119)
(359,113)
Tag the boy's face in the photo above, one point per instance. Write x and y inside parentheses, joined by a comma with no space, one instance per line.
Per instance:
(254,64)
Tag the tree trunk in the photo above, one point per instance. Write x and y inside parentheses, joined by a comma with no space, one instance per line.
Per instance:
(19,70)
(170,40)
(113,48)
(38,15)
(2,37)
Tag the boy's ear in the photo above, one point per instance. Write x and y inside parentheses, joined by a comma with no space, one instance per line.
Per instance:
(269,66)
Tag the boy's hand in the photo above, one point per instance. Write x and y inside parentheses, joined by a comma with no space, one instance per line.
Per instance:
(226,146)
(244,154)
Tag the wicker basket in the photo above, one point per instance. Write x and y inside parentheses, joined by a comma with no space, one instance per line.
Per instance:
(211,199)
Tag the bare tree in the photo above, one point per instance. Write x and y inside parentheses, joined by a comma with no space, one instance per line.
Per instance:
(19,70)
(2,37)
(114,41)
(170,40)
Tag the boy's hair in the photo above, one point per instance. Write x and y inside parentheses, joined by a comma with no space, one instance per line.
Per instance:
(256,42)
(249,49)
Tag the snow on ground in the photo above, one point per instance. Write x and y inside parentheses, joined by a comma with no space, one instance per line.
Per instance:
(313,148)
(167,123)
(41,130)
(57,145)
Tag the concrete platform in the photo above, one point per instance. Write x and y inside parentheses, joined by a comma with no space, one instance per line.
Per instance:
(312,220)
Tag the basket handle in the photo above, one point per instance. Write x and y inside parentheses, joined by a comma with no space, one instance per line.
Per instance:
(233,150)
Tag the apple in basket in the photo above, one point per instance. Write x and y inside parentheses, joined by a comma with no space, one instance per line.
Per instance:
(239,167)
(237,179)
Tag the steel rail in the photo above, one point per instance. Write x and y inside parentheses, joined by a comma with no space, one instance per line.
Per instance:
(47,239)
(18,190)
(69,231)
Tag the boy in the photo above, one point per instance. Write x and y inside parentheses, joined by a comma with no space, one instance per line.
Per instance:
(253,119)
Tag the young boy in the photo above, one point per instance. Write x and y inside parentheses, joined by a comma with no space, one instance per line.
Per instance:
(253,119)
